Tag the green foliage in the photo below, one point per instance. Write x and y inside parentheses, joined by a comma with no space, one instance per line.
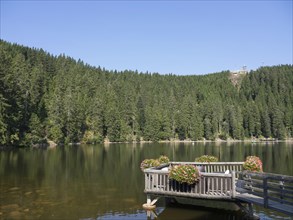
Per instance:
(163,159)
(147,163)
(36,132)
(184,174)
(253,163)
(206,158)
(57,98)
(91,137)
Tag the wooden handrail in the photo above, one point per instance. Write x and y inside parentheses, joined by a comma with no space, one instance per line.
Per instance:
(269,186)
(208,163)
(272,176)
(216,167)
(210,185)
(273,191)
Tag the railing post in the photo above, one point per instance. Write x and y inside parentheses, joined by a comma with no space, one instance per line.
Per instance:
(233,185)
(282,191)
(265,192)
(145,181)
(250,182)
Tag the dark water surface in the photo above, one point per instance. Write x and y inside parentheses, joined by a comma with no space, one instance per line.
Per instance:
(105,181)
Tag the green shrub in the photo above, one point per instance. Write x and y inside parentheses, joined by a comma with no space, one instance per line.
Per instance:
(147,163)
(206,158)
(253,163)
(163,159)
(185,174)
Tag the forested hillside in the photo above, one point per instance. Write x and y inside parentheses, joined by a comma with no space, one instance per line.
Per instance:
(45,97)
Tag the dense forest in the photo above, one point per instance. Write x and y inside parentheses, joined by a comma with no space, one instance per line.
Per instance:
(56,98)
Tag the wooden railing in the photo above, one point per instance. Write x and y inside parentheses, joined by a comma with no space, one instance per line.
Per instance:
(210,185)
(273,188)
(216,167)
(273,191)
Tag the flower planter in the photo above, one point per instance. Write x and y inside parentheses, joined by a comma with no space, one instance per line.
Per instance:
(206,158)
(253,164)
(180,187)
(185,173)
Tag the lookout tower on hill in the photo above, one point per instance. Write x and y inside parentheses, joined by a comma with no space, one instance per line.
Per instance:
(242,71)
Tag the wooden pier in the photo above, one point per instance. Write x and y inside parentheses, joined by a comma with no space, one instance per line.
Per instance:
(272,191)
(223,181)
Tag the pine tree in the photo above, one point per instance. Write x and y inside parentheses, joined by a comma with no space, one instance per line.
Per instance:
(64,100)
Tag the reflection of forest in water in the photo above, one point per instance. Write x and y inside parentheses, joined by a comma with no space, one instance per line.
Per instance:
(87,181)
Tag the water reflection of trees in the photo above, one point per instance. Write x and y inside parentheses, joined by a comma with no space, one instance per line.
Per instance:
(276,157)
(108,178)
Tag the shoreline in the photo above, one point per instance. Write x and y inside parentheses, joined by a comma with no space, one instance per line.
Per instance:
(223,141)
(52,144)
(289,140)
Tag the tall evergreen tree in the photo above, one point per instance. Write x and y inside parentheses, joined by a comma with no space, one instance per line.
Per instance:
(45,97)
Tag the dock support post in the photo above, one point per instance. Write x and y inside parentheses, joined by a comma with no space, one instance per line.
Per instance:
(248,211)
(251,214)
(149,199)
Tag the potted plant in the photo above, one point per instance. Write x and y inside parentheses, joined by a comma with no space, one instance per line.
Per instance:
(206,158)
(147,163)
(183,177)
(253,163)
(163,159)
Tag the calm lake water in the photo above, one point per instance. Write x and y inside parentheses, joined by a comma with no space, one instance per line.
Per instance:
(105,181)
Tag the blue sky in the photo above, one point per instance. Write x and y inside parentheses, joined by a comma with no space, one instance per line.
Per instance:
(179,37)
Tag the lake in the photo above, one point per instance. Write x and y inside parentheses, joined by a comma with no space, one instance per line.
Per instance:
(105,181)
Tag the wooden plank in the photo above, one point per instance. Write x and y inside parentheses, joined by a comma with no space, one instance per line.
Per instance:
(233,185)
(249,179)
(207,163)
(217,186)
(255,193)
(258,188)
(216,175)
(200,185)
(161,182)
(221,185)
(282,201)
(156,171)
(250,198)
(245,197)
(189,195)
(287,209)
(280,190)
(204,186)
(278,186)
(277,194)
(254,186)
(272,176)
(146,181)
(265,192)
(288,196)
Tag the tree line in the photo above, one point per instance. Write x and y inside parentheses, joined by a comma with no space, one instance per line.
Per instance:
(45,97)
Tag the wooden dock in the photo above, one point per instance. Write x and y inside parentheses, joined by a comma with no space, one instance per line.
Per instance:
(272,191)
